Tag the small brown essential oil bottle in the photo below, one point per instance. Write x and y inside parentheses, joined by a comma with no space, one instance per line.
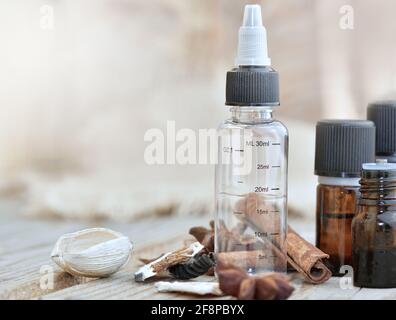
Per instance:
(374,227)
(342,146)
(383,114)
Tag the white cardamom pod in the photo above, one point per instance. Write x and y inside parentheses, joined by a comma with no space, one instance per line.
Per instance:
(94,253)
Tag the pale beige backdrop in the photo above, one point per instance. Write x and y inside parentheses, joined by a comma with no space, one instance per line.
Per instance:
(76,99)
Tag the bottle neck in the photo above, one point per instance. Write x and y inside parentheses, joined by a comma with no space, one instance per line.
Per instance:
(339,181)
(247,114)
(390,157)
(381,189)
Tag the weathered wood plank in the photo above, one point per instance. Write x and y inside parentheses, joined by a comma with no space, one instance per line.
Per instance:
(25,247)
(122,284)
(331,290)
(20,267)
(375,294)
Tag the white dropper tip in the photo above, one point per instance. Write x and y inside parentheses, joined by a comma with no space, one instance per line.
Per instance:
(252,44)
(252,16)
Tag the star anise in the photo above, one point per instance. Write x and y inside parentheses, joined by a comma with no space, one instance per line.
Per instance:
(236,282)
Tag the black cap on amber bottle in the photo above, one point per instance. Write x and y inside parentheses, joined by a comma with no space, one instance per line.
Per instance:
(342,146)
(383,114)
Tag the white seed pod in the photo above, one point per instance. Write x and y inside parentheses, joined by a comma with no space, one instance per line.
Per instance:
(94,253)
(192,287)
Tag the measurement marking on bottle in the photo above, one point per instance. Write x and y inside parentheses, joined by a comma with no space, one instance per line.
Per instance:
(276,166)
(276,144)
(239,181)
(275,211)
(261,189)
(238,212)
(239,150)
(275,189)
(258,143)
(262,166)
(260,234)
(262,211)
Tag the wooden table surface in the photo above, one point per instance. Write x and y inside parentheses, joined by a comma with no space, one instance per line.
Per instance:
(25,246)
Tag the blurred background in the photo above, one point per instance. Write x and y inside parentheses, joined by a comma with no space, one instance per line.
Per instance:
(82,81)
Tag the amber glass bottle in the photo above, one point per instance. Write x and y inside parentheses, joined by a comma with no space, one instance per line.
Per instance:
(374,228)
(336,207)
(342,146)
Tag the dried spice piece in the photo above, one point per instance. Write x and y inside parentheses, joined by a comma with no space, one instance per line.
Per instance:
(194,267)
(147,261)
(167,260)
(306,258)
(236,282)
(247,289)
(204,236)
(93,253)
(197,288)
(284,288)
(235,239)
(232,238)
(301,255)
(248,259)
(230,280)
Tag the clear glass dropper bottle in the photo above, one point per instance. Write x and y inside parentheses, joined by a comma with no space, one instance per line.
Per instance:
(251,176)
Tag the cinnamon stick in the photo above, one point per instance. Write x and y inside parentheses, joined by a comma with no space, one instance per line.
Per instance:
(249,259)
(306,258)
